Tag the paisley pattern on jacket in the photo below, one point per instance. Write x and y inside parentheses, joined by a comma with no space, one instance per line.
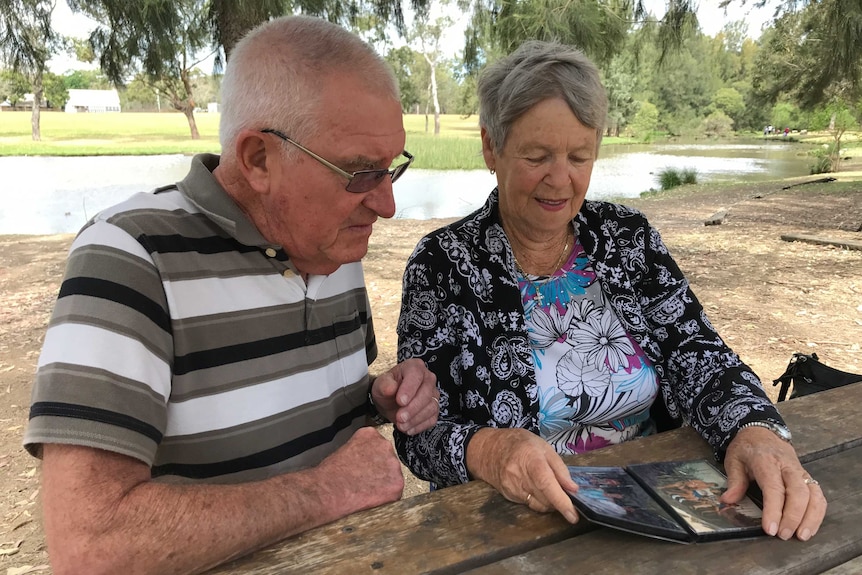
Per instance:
(461,313)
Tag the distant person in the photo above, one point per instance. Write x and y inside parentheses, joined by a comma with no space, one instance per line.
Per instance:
(557,325)
(786,132)
(203,389)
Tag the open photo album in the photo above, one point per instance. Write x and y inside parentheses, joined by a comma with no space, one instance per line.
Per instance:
(672,500)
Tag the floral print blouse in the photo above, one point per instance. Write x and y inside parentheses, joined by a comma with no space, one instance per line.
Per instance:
(462,313)
(596,385)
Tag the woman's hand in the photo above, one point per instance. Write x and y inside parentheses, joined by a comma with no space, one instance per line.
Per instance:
(792,501)
(523,468)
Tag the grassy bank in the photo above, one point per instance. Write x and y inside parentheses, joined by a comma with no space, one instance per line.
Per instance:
(457,147)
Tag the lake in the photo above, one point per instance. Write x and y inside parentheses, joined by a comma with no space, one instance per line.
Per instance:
(49,195)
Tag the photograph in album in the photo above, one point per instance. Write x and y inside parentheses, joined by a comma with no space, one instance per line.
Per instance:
(674,500)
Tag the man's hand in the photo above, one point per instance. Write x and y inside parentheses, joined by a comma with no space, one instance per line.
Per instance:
(407,396)
(367,466)
(792,502)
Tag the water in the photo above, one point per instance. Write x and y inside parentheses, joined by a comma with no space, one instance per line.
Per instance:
(48,195)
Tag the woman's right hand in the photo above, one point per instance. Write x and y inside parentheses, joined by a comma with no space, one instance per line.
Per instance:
(524,468)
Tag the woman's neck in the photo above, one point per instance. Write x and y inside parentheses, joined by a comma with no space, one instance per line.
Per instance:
(540,256)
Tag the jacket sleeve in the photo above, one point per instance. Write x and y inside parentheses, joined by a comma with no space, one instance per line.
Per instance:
(428,329)
(703,379)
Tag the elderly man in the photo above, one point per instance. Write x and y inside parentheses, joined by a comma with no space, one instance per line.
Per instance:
(203,387)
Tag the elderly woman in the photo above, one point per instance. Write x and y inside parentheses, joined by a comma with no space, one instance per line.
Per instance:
(557,325)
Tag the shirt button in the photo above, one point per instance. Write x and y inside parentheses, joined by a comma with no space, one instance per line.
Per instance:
(270,252)
(288,274)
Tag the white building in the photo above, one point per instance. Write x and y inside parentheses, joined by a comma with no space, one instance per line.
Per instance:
(93,101)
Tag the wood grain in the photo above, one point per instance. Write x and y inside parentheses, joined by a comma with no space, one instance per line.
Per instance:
(471,525)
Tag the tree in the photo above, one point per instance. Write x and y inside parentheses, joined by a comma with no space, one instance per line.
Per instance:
(426,35)
(56,92)
(159,38)
(644,122)
(13,86)
(813,55)
(717,124)
(620,84)
(499,26)
(730,102)
(27,40)
(402,60)
(86,80)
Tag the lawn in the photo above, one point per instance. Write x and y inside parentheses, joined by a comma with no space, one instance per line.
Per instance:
(457,147)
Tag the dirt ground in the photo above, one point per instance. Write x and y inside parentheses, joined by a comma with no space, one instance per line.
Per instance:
(769,298)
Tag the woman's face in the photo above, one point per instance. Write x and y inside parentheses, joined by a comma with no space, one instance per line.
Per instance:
(544,169)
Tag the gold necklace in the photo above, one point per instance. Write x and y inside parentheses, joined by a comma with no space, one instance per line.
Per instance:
(538,297)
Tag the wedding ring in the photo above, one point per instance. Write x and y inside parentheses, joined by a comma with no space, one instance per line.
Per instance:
(437,400)
(811,481)
(527,500)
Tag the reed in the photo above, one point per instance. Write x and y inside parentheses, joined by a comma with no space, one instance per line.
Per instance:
(669,178)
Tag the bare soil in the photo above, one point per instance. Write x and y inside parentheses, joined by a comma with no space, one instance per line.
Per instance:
(768,298)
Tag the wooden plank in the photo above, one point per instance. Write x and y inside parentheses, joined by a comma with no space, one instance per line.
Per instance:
(846,244)
(838,541)
(852,567)
(466,526)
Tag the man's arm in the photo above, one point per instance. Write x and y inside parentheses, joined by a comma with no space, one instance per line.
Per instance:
(103,514)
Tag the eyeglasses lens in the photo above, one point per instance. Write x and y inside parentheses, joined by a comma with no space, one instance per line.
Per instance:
(366,181)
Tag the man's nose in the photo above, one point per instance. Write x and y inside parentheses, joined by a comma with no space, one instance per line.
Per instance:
(381,199)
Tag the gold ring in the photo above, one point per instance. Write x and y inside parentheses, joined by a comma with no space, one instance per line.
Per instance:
(527,500)
(437,399)
(811,481)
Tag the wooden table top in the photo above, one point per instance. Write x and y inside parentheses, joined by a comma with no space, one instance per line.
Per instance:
(472,529)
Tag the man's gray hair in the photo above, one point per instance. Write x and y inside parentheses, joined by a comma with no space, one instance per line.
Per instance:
(275,73)
(535,72)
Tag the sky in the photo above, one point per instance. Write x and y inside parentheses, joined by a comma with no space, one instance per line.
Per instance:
(712,19)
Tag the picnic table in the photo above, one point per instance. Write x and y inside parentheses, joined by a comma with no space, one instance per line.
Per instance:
(472,529)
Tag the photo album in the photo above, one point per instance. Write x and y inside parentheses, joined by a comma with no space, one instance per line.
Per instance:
(672,500)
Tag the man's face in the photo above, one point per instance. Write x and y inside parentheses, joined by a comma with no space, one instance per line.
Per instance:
(307,210)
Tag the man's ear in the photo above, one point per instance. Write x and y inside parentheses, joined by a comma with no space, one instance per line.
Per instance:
(254,157)
(488,150)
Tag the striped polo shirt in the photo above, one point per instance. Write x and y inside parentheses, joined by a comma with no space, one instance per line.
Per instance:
(182,338)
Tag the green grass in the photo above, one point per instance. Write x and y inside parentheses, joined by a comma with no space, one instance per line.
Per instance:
(458,146)
(106,134)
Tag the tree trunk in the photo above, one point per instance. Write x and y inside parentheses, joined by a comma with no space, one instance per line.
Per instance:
(434,98)
(35,119)
(189,112)
(187,105)
(832,122)
(234,19)
(426,110)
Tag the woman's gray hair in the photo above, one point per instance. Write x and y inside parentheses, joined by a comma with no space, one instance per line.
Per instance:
(535,72)
(276,72)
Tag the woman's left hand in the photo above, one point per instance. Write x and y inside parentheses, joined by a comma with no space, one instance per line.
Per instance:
(792,500)
(524,468)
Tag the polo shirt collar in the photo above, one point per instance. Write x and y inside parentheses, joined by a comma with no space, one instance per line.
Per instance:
(202,188)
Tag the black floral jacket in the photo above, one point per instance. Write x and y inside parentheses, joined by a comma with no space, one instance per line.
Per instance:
(461,313)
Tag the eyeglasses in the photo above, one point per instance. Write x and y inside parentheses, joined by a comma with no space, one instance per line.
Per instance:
(358,182)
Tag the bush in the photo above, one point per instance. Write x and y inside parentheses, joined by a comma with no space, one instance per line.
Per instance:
(824,159)
(671,177)
(717,124)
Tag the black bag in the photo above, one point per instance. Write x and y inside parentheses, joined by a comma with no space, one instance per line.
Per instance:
(808,376)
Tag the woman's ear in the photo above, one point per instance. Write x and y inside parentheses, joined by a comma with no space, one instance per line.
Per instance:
(252,154)
(488,150)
